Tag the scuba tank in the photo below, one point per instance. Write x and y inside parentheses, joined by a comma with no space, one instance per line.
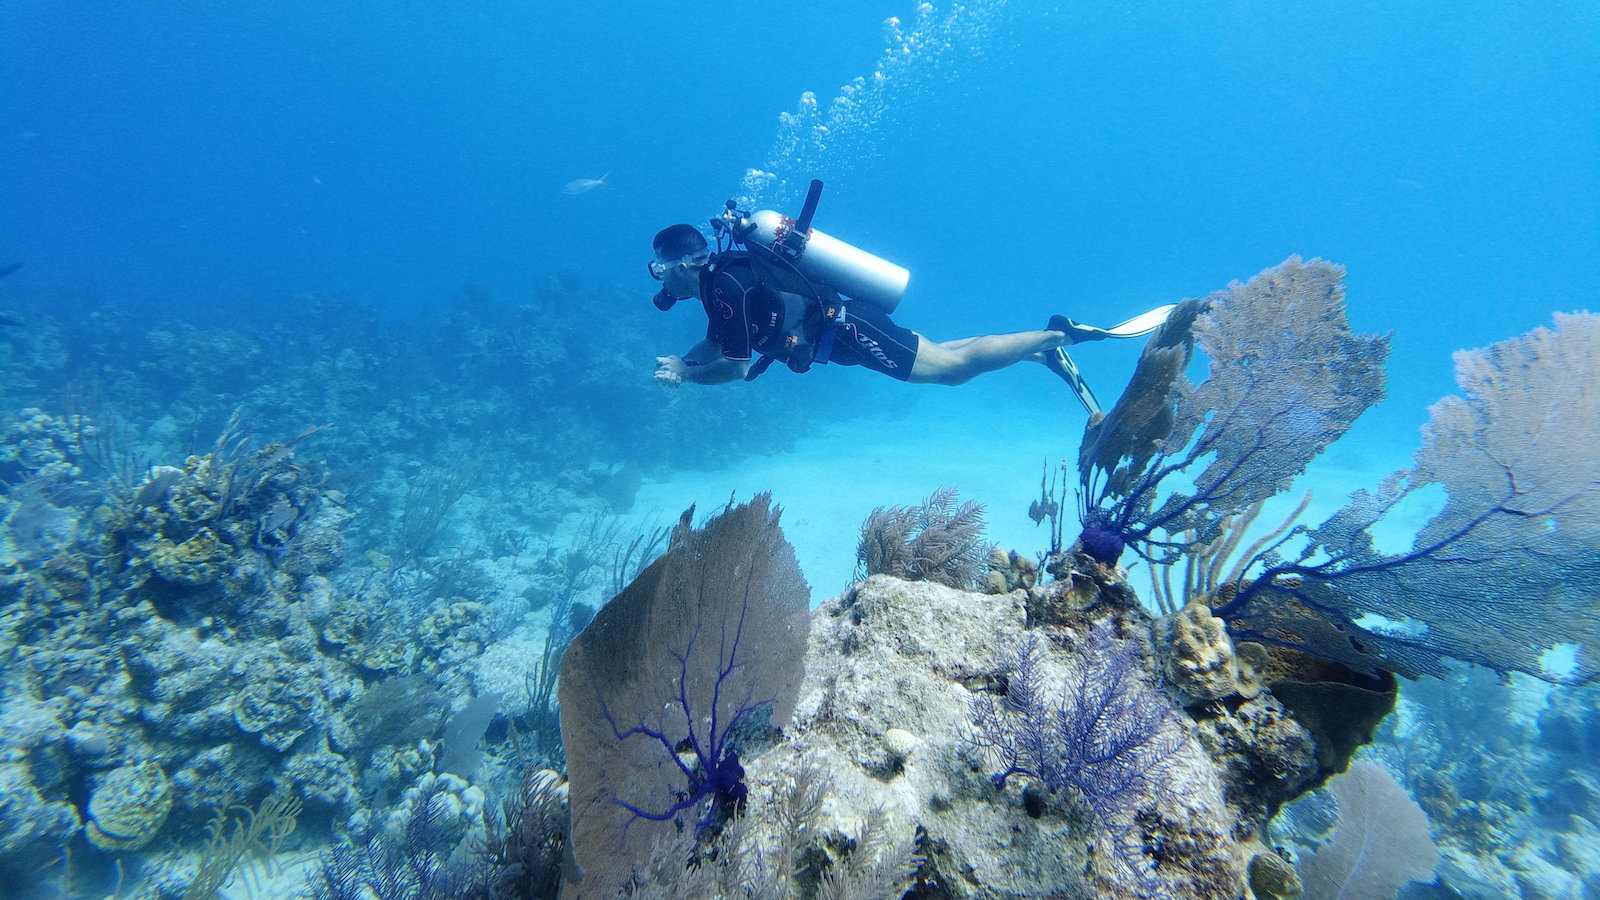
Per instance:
(819,257)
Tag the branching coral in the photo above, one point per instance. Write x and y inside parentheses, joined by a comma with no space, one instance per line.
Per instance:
(423,860)
(1217,569)
(525,850)
(1505,574)
(1105,741)
(938,540)
(1287,378)
(429,498)
(706,643)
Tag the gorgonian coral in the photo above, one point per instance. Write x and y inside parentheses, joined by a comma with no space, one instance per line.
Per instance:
(1506,574)
(1105,738)
(706,644)
(1287,378)
(938,540)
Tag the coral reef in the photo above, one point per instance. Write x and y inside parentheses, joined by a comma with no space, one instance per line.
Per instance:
(233,615)
(1026,741)
(163,666)
(238,650)
(893,659)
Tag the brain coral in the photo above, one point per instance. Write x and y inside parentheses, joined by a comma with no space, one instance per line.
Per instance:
(128,806)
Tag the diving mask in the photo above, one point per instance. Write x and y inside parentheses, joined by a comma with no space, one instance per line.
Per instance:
(659,268)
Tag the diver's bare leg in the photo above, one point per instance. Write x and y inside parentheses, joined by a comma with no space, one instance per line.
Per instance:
(954,362)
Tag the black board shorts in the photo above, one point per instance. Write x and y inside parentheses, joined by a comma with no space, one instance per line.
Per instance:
(868,337)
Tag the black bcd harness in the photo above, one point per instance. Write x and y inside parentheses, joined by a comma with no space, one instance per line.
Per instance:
(760,303)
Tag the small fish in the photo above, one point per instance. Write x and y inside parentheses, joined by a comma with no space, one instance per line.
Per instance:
(584,185)
(7,321)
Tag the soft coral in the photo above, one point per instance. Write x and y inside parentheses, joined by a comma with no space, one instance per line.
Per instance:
(705,646)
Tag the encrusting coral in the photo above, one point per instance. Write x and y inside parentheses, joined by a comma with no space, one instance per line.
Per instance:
(1010,571)
(1202,661)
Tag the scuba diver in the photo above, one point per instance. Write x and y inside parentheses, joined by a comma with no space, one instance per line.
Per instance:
(797,295)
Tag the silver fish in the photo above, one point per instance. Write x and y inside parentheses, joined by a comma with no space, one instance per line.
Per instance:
(584,185)
(9,321)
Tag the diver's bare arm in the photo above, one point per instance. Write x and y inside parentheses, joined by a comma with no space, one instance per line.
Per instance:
(702,364)
(701,353)
(718,371)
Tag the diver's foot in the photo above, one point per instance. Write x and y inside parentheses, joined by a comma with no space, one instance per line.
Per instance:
(1076,333)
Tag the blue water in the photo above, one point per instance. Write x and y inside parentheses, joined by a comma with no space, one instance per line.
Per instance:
(211,162)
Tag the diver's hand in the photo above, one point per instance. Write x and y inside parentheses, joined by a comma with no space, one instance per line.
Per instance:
(671,370)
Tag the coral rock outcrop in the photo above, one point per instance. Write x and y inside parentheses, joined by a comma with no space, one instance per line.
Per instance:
(892,668)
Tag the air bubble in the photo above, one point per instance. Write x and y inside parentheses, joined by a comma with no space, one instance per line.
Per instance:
(912,63)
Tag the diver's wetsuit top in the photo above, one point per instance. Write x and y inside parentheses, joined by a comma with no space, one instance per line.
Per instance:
(750,312)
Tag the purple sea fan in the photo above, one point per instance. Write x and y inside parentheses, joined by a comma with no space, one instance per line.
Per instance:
(1505,574)
(707,643)
(1104,738)
(1287,378)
